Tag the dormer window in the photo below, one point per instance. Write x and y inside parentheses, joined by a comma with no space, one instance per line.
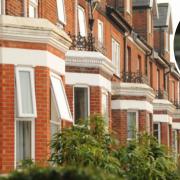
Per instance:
(61,11)
(128,6)
(33,8)
(82,21)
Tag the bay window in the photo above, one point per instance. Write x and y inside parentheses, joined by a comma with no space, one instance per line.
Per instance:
(116,56)
(61,11)
(132,124)
(82,21)
(33,8)
(81,103)
(157,131)
(60,98)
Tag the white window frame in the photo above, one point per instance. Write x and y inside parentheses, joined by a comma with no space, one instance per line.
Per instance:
(137,123)
(19,98)
(116,56)
(100,32)
(34,4)
(128,6)
(32,120)
(159,131)
(84,23)
(2,7)
(61,8)
(53,75)
(88,89)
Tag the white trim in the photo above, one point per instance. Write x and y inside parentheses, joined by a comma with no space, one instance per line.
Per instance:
(132,104)
(88,79)
(88,89)
(32,138)
(164,118)
(89,59)
(176,125)
(29,57)
(128,6)
(61,116)
(37,30)
(2,7)
(133,89)
(19,96)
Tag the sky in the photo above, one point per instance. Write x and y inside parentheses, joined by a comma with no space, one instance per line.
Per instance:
(175,10)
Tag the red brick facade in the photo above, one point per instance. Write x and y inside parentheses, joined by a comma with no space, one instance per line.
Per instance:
(147,82)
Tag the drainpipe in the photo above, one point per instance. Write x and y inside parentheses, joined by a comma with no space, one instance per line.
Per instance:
(125,49)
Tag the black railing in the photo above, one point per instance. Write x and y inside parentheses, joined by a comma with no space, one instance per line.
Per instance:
(161,94)
(87,43)
(132,77)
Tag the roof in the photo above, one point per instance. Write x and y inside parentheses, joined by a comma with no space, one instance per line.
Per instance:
(164,19)
(138,3)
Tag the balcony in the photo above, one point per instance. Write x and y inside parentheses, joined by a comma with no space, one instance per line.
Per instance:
(134,77)
(161,94)
(88,43)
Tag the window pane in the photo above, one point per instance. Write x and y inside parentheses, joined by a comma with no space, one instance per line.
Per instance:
(26,92)
(23,140)
(81,103)
(82,21)
(132,125)
(61,10)
(60,97)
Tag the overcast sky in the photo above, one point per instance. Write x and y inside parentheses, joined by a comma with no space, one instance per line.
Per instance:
(175,9)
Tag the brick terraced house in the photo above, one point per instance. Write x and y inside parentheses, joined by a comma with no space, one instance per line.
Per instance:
(64,60)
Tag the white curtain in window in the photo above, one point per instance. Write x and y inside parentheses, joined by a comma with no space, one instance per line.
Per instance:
(131,125)
(26,92)
(61,10)
(61,99)
(82,21)
(23,140)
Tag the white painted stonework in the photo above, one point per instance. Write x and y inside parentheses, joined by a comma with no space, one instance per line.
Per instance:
(176,125)
(132,105)
(32,58)
(89,59)
(133,89)
(163,104)
(87,79)
(162,118)
(33,30)
(176,114)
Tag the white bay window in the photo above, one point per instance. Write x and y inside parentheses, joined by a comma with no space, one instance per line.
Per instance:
(82,21)
(60,98)
(61,11)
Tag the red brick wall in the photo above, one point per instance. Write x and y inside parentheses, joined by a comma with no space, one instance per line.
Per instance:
(14,7)
(164,133)
(42,122)
(7,83)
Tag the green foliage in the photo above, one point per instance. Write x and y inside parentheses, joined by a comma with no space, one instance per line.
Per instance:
(68,173)
(86,146)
